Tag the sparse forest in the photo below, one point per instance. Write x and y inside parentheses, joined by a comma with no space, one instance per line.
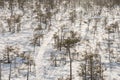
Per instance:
(60,39)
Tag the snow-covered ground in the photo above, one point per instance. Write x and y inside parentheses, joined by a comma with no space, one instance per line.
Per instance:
(85,24)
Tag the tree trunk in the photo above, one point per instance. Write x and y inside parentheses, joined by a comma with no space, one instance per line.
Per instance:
(15,63)
(91,69)
(34,47)
(85,68)
(55,62)
(11,6)
(28,72)
(10,71)
(0,71)
(8,56)
(70,64)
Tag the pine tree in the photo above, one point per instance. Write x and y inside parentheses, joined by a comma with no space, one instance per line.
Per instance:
(70,43)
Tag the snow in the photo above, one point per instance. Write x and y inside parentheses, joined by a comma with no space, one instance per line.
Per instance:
(44,69)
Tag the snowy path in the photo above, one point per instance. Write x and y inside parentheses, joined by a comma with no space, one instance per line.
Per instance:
(44,47)
(40,59)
